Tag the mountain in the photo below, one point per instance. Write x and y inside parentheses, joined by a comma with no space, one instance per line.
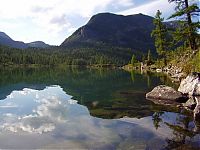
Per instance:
(7,41)
(3,35)
(38,44)
(133,31)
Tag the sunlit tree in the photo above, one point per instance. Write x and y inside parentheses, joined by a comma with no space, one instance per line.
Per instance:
(160,35)
(186,11)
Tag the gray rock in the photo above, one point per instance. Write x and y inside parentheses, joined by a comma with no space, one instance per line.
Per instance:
(179,75)
(191,85)
(166,95)
(190,104)
(197,109)
(196,91)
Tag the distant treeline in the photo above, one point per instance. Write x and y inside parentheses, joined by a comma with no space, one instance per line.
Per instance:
(66,56)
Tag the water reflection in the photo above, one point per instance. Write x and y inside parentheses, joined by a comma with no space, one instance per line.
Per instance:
(62,123)
(107,110)
(53,114)
(106,93)
(33,111)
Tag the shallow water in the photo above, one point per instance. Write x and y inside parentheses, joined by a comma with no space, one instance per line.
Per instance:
(89,109)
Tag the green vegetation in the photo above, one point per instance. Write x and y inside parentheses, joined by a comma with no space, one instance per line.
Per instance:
(160,35)
(178,45)
(55,56)
(196,62)
(186,36)
(187,31)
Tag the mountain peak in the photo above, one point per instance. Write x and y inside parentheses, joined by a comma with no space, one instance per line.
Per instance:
(4,35)
(132,31)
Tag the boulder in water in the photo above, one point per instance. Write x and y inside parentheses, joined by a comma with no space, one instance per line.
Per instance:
(166,95)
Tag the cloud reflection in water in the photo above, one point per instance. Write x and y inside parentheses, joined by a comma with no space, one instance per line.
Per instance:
(50,107)
(57,121)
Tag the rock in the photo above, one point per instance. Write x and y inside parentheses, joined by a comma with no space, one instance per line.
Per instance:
(196,91)
(166,95)
(179,75)
(191,85)
(197,109)
(178,70)
(174,72)
(166,69)
(190,104)
(153,67)
(158,70)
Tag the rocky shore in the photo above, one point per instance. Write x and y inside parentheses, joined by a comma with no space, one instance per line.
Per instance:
(187,96)
(174,72)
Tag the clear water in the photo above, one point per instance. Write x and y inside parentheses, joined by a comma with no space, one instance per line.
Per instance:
(89,109)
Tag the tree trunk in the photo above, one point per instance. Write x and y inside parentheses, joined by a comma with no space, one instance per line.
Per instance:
(192,41)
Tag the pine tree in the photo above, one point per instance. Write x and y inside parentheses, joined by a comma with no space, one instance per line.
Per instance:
(160,35)
(188,27)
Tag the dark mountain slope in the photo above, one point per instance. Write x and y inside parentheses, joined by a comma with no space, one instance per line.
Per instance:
(132,31)
(5,36)
(7,41)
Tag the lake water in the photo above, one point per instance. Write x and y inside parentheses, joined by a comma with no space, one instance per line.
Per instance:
(89,109)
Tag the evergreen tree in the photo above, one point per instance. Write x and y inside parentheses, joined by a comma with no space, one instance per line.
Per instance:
(160,35)
(186,11)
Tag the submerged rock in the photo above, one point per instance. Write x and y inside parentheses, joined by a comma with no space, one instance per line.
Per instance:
(166,95)
(191,85)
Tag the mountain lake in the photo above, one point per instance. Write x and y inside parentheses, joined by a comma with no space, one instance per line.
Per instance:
(89,109)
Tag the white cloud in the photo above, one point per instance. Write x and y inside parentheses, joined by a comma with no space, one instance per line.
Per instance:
(27,128)
(50,111)
(9,105)
(124,3)
(151,8)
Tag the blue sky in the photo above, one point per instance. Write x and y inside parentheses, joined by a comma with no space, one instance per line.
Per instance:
(52,21)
